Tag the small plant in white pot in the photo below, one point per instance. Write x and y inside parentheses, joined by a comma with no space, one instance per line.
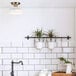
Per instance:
(51,44)
(39,34)
(68,65)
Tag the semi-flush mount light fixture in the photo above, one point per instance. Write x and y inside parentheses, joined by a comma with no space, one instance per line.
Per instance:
(15,4)
(16,9)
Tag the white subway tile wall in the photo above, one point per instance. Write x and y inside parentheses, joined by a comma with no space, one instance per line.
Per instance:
(34,60)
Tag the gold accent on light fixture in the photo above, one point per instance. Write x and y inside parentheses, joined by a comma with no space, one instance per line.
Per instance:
(15,4)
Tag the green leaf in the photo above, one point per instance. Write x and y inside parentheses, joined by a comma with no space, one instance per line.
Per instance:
(39,33)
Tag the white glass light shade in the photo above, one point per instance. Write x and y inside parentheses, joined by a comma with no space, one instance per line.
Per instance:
(16,11)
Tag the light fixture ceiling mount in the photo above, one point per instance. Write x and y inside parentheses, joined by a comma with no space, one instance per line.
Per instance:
(15,4)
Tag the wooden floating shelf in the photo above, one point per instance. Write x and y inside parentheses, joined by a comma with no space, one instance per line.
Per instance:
(61,74)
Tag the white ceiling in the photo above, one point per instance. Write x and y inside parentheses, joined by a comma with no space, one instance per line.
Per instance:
(40,3)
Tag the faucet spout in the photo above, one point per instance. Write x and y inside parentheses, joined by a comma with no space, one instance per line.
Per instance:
(21,62)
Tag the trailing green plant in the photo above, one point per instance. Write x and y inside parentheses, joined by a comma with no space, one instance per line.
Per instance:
(39,33)
(50,33)
(65,60)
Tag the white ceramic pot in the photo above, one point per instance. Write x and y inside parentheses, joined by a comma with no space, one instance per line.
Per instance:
(43,73)
(39,45)
(49,73)
(51,45)
(68,68)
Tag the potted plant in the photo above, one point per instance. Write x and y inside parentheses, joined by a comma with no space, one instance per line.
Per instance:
(68,64)
(51,44)
(38,34)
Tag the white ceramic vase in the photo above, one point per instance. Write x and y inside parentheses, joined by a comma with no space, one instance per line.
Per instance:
(39,45)
(51,45)
(68,68)
(43,73)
